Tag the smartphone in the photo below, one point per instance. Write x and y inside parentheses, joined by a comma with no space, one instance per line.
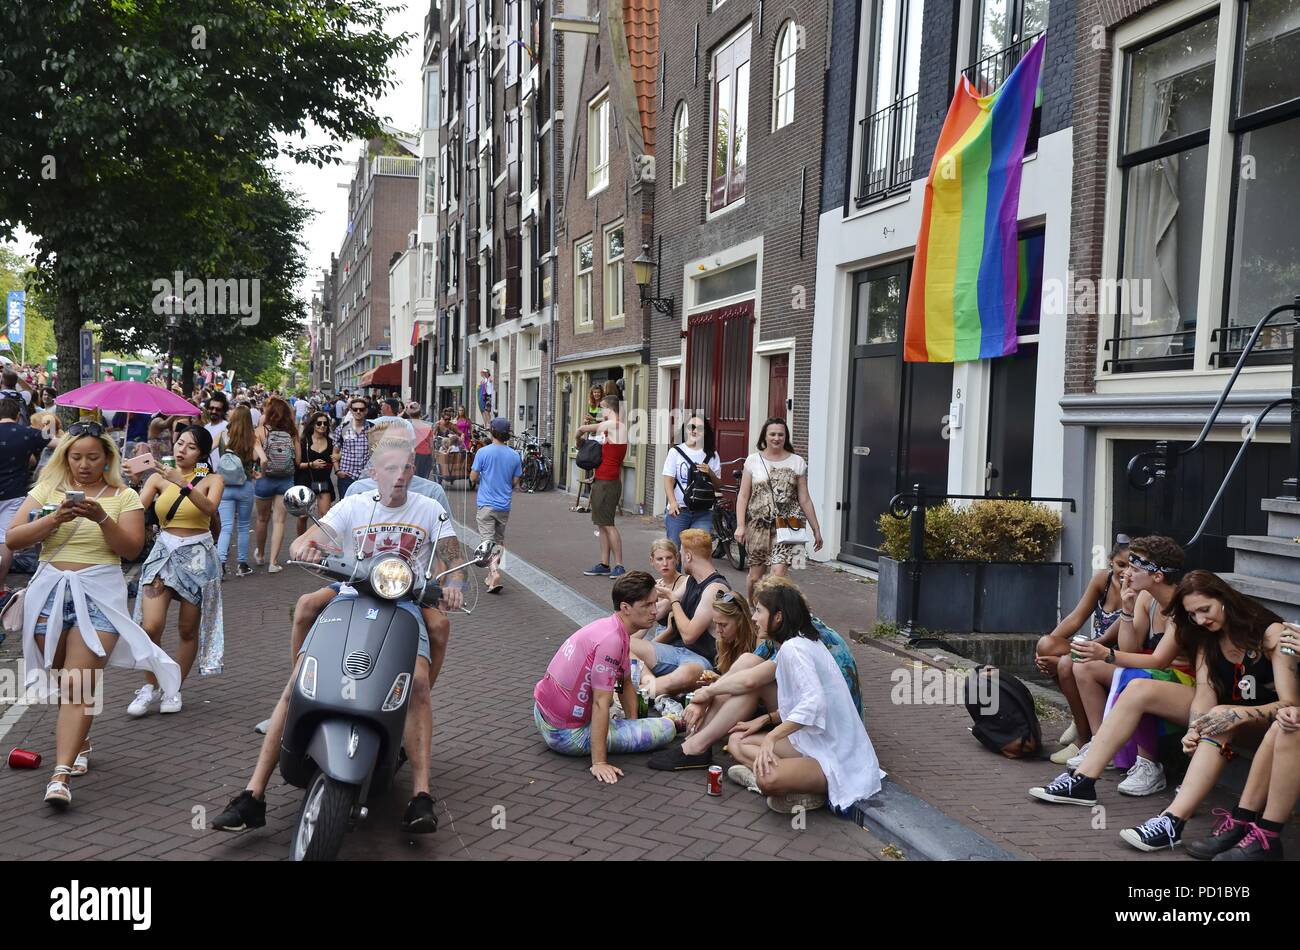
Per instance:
(75,497)
(138,465)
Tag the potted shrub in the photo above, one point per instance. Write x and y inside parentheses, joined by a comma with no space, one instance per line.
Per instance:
(987,568)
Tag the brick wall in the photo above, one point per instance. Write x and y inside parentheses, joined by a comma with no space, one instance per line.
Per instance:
(1092,78)
(777,162)
(396,203)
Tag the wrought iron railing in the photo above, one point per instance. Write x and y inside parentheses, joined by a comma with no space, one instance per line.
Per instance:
(1145,468)
(989,73)
(888,150)
(1141,352)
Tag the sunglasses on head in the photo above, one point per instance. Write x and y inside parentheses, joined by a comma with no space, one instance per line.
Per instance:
(86,428)
(728,598)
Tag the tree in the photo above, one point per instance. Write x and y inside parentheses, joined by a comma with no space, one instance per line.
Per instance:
(38,332)
(130,125)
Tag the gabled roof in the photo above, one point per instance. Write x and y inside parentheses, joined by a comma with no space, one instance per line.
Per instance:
(641,22)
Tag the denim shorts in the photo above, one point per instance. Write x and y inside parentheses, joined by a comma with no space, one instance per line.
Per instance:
(669,657)
(268,487)
(97,618)
(410,607)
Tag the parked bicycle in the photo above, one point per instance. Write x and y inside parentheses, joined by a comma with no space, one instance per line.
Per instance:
(724,521)
(539,472)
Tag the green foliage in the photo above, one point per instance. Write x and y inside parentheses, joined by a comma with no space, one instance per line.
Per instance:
(990,530)
(38,333)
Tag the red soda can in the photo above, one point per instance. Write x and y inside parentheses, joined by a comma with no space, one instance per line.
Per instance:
(22,759)
(715,780)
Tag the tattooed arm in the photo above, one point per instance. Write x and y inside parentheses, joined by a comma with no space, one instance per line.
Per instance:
(1221,719)
(448,554)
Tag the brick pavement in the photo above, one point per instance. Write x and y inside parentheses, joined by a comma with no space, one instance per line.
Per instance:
(152,779)
(927,750)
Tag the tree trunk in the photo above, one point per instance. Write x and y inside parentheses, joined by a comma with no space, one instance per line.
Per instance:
(187,373)
(68,320)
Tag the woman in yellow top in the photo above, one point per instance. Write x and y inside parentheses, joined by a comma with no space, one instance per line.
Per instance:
(86,520)
(183,564)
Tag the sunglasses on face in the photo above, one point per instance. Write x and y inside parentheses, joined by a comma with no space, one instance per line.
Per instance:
(358,408)
(322,424)
(86,428)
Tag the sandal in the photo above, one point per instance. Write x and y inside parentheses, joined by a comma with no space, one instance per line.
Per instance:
(58,794)
(81,765)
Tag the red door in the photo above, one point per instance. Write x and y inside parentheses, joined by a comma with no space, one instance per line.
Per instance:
(719,347)
(778,386)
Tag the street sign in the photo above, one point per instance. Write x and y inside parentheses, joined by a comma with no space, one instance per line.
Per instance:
(15,314)
(87,357)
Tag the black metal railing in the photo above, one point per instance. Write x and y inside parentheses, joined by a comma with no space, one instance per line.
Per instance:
(1145,468)
(912,504)
(989,73)
(1150,356)
(888,150)
(1273,348)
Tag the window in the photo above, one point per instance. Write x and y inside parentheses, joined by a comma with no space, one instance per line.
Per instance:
(582,266)
(431,94)
(888,131)
(787,46)
(1004,23)
(614,273)
(681,126)
(430,186)
(598,143)
(730,120)
(741,279)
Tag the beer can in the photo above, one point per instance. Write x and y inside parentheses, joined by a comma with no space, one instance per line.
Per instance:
(22,759)
(715,780)
(689,697)
(169,461)
(1290,651)
(1078,638)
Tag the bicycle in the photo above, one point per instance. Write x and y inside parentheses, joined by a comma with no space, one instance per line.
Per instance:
(538,470)
(724,523)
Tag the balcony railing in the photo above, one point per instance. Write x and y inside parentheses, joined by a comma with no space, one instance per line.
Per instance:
(398,165)
(1143,352)
(888,150)
(992,71)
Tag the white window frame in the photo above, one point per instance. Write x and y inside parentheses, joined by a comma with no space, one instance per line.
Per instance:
(583,281)
(787,56)
(614,286)
(598,133)
(681,140)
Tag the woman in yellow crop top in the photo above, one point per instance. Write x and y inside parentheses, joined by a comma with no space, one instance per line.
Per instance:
(183,565)
(79,589)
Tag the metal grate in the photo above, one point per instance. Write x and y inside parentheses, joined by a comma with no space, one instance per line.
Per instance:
(358,664)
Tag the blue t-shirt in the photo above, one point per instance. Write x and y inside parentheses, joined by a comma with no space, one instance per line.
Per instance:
(497,466)
(18,443)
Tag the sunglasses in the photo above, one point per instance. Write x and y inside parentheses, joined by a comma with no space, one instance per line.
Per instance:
(86,428)
(322,424)
(694,428)
(728,598)
(358,408)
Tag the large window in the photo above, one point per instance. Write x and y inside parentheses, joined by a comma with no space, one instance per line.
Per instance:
(598,143)
(583,261)
(888,130)
(787,48)
(1004,23)
(730,120)
(681,130)
(614,273)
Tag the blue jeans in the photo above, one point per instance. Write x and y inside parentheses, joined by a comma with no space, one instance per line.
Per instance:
(344,485)
(678,523)
(669,657)
(236,500)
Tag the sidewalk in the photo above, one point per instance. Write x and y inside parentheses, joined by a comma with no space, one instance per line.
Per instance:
(926,749)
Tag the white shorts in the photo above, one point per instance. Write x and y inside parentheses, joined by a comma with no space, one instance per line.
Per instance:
(8,508)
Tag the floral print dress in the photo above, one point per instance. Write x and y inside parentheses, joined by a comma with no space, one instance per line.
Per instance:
(774,494)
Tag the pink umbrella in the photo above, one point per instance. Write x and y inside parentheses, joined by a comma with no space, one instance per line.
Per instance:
(127,396)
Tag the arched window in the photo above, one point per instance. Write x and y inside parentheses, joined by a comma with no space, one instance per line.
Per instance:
(681,126)
(787,46)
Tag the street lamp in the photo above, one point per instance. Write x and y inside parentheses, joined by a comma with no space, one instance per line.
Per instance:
(173,322)
(643,267)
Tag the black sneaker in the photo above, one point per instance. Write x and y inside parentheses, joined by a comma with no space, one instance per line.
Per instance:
(1227,834)
(243,812)
(1255,845)
(243,570)
(1067,789)
(1154,834)
(419,818)
(675,760)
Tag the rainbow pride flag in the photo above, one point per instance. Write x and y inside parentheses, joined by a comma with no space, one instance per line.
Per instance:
(962,302)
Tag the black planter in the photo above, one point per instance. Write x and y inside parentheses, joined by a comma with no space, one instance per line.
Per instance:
(973,596)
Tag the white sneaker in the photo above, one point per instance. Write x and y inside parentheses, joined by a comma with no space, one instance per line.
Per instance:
(1069,736)
(1065,755)
(1077,760)
(171,704)
(1145,778)
(145,697)
(744,778)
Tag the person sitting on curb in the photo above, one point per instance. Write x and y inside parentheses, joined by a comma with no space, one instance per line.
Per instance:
(675,660)
(1252,830)
(819,748)
(1096,616)
(664,556)
(572,701)
(747,682)
(1147,649)
(1242,681)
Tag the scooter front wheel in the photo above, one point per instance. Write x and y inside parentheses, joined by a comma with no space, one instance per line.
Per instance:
(323,819)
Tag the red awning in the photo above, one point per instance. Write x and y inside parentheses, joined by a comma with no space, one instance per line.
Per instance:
(388,376)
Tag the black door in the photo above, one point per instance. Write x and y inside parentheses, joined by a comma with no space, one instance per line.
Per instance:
(1012,384)
(897,427)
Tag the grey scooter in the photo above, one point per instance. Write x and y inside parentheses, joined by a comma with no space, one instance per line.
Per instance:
(347,709)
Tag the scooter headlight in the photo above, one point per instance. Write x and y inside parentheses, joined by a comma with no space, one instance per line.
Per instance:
(391,578)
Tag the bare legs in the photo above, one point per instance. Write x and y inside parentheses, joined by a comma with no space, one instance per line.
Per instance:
(611,545)
(1207,765)
(157,599)
(1171,701)
(794,774)
(77,666)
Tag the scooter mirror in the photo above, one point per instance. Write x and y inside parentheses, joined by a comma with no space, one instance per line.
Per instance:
(483,553)
(299,501)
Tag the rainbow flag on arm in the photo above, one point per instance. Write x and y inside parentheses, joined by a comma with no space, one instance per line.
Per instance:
(963,297)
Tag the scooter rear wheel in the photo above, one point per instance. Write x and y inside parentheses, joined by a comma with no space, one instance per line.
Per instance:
(323,819)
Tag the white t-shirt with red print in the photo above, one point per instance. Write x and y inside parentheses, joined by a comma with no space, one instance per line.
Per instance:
(413,530)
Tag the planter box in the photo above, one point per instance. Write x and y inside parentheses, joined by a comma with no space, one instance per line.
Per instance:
(973,596)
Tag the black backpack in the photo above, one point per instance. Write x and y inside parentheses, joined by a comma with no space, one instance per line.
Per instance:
(1003,711)
(24,408)
(590,455)
(698,490)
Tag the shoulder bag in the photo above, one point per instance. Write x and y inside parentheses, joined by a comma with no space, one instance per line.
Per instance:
(789,530)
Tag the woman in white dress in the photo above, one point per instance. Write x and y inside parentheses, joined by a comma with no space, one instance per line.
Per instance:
(819,748)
